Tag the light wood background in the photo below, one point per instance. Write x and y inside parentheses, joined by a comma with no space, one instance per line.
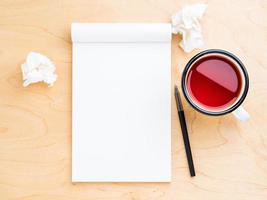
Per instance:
(35,122)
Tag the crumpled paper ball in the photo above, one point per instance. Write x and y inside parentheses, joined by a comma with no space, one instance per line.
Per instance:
(38,68)
(187,23)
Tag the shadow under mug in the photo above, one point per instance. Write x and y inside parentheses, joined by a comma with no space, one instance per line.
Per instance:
(234,107)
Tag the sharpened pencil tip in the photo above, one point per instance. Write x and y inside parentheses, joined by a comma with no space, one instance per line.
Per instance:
(175,88)
(178,99)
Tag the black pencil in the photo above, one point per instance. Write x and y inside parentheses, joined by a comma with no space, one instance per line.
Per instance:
(184,132)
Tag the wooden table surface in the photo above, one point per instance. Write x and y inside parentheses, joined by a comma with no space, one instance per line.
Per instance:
(35,122)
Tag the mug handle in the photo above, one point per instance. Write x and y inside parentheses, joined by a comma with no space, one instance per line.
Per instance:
(241,114)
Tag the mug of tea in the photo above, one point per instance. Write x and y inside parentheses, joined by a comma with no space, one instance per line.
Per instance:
(215,82)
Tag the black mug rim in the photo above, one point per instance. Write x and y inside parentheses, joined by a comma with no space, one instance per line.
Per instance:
(225,53)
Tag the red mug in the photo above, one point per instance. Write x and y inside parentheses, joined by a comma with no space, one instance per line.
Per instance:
(215,82)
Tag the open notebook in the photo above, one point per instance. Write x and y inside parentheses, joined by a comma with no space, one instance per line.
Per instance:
(121,102)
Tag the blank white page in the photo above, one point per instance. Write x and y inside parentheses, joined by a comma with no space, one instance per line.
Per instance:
(121,102)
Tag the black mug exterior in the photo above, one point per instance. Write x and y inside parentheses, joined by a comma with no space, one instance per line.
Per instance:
(224,53)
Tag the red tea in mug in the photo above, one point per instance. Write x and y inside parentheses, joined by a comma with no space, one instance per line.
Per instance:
(214,82)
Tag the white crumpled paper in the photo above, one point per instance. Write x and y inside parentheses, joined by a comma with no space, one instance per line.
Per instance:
(186,22)
(38,68)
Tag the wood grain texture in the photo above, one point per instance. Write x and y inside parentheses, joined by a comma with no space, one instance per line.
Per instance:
(35,122)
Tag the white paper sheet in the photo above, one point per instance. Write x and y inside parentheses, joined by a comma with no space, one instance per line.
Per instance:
(121,102)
